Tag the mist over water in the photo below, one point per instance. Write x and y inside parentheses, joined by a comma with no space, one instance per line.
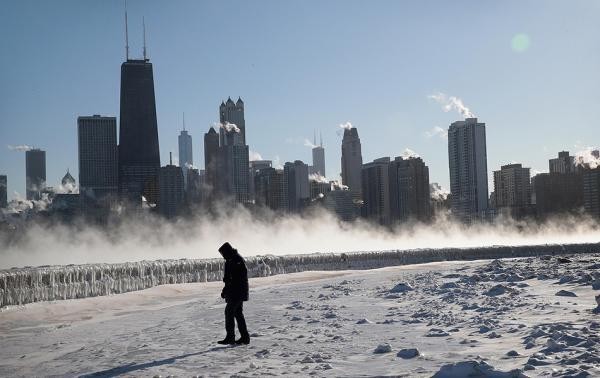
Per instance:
(152,238)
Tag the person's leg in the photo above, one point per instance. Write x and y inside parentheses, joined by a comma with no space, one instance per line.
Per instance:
(230,310)
(241,322)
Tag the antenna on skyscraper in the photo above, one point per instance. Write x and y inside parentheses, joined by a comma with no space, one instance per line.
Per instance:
(183,121)
(321,138)
(315,137)
(126,35)
(144,27)
(170,158)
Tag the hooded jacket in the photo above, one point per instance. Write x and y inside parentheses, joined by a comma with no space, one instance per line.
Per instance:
(235,275)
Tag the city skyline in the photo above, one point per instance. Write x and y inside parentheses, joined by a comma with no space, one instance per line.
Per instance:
(405,109)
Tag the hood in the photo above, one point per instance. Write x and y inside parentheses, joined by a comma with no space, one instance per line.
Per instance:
(227,251)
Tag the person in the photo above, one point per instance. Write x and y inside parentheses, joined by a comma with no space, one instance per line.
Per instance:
(235,293)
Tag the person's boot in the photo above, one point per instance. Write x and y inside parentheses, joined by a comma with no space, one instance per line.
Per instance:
(245,339)
(228,340)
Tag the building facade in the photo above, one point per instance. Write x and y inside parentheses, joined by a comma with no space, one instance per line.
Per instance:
(211,153)
(564,163)
(35,173)
(139,154)
(558,193)
(467,157)
(376,191)
(255,167)
(512,190)
(296,187)
(3,191)
(98,161)
(409,190)
(352,162)
(171,191)
(591,192)
(232,113)
(269,189)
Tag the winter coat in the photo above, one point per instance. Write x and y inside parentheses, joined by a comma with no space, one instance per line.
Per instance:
(235,277)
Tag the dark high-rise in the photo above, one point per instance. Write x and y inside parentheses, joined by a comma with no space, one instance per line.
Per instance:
(409,190)
(139,156)
(3,191)
(352,161)
(211,151)
(35,172)
(375,184)
(98,160)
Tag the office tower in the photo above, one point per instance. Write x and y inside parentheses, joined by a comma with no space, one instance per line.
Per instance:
(255,166)
(409,190)
(232,113)
(211,152)
(341,203)
(512,190)
(139,156)
(35,172)
(186,159)
(171,193)
(318,158)
(376,190)
(467,159)
(295,176)
(68,183)
(564,163)
(352,162)
(233,158)
(591,191)
(558,193)
(194,186)
(3,191)
(269,188)
(98,161)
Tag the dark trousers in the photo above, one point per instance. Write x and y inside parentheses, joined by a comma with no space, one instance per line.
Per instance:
(234,310)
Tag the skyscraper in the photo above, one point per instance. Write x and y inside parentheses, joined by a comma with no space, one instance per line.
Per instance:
(255,166)
(3,191)
(564,163)
(409,190)
(139,156)
(297,192)
(318,158)
(186,158)
(269,188)
(352,161)
(558,193)
(591,191)
(512,190)
(211,152)
(376,190)
(467,159)
(170,183)
(35,171)
(232,113)
(98,161)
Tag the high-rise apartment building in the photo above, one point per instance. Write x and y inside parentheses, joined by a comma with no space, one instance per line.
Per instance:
(35,173)
(512,190)
(467,159)
(296,187)
(255,167)
(558,193)
(591,191)
(564,163)
(211,152)
(171,190)
(3,191)
(376,191)
(269,189)
(409,190)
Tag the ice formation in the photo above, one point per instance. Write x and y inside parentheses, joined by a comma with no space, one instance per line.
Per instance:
(47,283)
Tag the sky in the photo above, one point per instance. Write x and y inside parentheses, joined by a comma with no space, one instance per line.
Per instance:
(528,69)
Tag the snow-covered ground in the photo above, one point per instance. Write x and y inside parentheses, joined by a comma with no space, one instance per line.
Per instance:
(444,318)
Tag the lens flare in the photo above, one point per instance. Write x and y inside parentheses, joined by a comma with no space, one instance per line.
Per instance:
(520,42)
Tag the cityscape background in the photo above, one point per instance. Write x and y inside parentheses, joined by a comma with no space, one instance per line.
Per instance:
(374,67)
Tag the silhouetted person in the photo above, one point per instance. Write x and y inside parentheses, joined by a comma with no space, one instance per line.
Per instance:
(235,293)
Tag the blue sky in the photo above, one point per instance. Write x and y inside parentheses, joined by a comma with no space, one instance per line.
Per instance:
(308,65)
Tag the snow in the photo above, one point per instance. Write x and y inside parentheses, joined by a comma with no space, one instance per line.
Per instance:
(172,329)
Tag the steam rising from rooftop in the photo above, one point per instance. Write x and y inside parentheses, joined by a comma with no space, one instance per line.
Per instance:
(20,148)
(452,103)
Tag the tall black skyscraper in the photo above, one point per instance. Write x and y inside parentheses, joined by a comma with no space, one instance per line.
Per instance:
(352,161)
(3,191)
(98,160)
(211,152)
(35,171)
(139,156)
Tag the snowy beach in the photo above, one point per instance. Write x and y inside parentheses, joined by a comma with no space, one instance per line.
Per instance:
(528,316)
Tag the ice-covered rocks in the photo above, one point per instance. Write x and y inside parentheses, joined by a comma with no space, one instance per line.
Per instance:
(475,369)
(565,293)
(597,309)
(408,353)
(402,287)
(498,290)
(383,348)
(436,332)
(364,321)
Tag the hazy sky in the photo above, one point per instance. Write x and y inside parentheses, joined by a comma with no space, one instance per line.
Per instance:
(528,69)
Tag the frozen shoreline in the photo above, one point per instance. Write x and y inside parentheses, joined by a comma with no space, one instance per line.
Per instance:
(48,283)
